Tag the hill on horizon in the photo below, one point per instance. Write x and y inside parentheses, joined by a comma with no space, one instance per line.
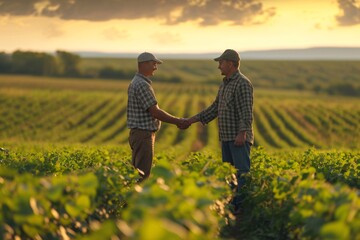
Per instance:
(316,53)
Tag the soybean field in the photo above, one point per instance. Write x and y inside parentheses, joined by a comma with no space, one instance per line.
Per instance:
(65,167)
(94,112)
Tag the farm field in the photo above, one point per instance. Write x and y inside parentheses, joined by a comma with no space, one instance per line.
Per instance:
(93,112)
(66,159)
(278,74)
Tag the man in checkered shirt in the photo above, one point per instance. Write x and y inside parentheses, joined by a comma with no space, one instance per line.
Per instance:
(233,107)
(144,115)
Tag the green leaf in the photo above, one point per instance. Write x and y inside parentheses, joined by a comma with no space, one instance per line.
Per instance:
(83,202)
(22,204)
(7,172)
(162,171)
(30,230)
(106,231)
(73,210)
(88,184)
(342,212)
(335,230)
(35,220)
(55,192)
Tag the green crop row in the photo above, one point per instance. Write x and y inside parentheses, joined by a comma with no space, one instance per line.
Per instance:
(100,118)
(68,192)
(77,191)
(302,196)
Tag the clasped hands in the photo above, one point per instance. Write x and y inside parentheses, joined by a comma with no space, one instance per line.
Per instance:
(183,123)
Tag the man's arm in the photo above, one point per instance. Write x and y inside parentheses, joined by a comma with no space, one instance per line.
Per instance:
(162,115)
(244,103)
(206,115)
(193,119)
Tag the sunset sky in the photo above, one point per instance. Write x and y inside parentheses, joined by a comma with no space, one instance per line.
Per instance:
(177,26)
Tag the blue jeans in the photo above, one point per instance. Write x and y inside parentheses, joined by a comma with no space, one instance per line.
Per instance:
(238,156)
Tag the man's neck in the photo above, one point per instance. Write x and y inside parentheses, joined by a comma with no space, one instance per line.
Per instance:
(231,73)
(144,74)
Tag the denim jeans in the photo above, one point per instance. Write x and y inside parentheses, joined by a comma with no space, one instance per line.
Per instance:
(238,156)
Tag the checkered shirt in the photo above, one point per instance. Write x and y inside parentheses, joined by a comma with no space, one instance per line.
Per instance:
(141,97)
(234,108)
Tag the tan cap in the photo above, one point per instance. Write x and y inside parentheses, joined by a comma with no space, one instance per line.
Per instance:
(146,56)
(229,54)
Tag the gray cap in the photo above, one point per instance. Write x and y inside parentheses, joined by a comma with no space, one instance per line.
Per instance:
(146,56)
(229,54)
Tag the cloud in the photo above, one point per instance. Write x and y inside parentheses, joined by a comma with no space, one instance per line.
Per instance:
(18,7)
(205,12)
(166,38)
(114,34)
(53,31)
(213,12)
(350,12)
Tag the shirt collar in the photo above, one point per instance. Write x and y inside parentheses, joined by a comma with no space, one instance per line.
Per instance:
(232,77)
(144,77)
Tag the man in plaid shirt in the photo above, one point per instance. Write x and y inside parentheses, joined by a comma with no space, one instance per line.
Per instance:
(233,107)
(144,114)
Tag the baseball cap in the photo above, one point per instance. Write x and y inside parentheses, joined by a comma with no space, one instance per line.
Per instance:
(229,54)
(146,56)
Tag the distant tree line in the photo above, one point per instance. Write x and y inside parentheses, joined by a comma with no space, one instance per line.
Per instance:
(66,64)
(61,64)
(42,64)
(346,89)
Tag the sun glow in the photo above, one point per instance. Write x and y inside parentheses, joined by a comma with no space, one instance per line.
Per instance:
(294,24)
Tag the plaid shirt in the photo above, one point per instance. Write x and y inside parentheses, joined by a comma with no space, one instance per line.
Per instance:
(141,97)
(234,108)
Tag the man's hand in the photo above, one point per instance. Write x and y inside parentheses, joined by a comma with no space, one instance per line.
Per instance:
(240,139)
(183,123)
(162,115)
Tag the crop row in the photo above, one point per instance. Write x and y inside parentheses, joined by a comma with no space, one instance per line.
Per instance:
(68,192)
(312,195)
(100,118)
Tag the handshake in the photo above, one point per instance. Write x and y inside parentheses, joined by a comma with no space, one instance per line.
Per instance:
(184,123)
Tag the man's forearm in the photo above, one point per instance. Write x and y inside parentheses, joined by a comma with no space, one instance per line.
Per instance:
(164,116)
(194,119)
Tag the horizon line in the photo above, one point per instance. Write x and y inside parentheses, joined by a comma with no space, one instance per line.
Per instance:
(187,52)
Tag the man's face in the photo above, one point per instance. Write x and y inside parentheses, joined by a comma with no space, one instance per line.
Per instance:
(225,67)
(150,67)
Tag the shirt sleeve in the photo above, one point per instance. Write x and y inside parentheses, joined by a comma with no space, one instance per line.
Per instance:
(146,96)
(244,103)
(210,113)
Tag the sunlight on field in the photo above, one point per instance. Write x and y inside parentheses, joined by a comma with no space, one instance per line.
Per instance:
(93,112)
(65,161)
